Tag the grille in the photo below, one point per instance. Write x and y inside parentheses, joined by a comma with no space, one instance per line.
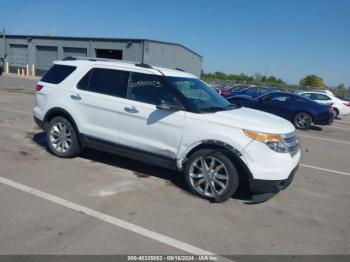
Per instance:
(291,141)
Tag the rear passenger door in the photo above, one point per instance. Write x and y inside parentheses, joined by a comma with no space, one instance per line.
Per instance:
(96,99)
(142,125)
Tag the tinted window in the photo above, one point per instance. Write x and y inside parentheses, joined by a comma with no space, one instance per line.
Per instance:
(109,82)
(307,95)
(57,74)
(150,89)
(281,98)
(84,82)
(276,98)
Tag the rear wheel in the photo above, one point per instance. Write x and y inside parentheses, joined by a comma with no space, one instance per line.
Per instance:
(62,138)
(211,174)
(302,120)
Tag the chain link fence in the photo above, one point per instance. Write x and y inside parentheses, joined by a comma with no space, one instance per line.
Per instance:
(283,87)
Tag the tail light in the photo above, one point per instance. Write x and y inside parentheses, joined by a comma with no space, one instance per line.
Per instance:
(331,110)
(38,88)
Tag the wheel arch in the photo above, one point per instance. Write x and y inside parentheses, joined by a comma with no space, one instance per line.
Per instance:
(232,153)
(57,111)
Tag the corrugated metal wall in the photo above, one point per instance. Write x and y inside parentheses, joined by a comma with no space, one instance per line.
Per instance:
(41,51)
(172,56)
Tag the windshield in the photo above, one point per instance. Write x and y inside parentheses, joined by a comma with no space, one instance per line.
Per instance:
(200,96)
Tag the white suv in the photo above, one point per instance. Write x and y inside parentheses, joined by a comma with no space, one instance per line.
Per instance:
(165,117)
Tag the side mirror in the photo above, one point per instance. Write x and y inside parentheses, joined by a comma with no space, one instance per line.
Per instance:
(166,106)
(163,105)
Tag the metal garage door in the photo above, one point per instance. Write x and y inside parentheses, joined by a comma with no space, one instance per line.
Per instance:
(18,57)
(74,51)
(44,57)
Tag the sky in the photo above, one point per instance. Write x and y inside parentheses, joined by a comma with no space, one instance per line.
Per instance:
(286,38)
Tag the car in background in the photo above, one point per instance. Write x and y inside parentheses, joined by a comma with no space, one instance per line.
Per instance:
(252,91)
(223,90)
(325,91)
(341,107)
(301,111)
(226,90)
(344,98)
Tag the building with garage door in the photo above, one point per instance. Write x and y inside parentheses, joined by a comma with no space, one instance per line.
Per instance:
(34,54)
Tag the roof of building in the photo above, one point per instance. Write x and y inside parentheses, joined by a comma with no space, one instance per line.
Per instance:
(140,40)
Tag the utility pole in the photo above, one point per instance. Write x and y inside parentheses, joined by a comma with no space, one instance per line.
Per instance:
(4,37)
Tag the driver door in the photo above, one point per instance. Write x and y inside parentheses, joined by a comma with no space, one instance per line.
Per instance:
(273,104)
(142,125)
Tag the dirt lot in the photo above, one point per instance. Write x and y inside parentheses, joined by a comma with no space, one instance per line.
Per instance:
(149,211)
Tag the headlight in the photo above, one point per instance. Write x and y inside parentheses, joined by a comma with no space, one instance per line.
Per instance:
(273,141)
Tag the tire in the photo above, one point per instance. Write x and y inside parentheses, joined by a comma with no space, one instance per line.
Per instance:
(336,113)
(217,186)
(302,120)
(62,143)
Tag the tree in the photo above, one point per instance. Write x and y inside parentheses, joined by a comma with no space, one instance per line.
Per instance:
(341,87)
(313,81)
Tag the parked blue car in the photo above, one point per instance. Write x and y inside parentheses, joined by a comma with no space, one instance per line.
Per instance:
(252,91)
(301,111)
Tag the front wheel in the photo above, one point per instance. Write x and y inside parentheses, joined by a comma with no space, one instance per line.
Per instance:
(211,174)
(302,120)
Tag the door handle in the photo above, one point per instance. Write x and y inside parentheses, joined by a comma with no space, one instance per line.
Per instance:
(76,97)
(131,109)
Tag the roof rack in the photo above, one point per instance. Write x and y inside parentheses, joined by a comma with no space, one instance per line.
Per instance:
(144,65)
(96,59)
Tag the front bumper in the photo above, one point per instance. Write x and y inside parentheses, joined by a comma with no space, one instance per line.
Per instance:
(260,186)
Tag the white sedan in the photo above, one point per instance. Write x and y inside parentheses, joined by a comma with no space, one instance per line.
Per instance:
(340,107)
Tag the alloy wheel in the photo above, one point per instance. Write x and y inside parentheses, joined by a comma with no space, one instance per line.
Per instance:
(60,137)
(209,176)
(303,120)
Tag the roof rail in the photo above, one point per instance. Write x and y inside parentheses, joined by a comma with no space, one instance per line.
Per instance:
(144,65)
(94,59)
(72,58)
(180,69)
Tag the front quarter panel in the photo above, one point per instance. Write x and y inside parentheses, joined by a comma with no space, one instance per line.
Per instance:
(198,130)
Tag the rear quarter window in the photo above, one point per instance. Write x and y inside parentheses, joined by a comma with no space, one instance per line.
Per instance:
(57,74)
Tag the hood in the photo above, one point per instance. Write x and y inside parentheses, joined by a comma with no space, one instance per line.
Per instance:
(250,119)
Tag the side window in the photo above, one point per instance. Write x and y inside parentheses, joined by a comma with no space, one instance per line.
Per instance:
(280,98)
(308,95)
(84,82)
(57,74)
(108,81)
(275,98)
(320,97)
(150,89)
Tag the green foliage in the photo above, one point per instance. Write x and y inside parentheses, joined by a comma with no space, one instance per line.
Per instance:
(312,81)
(341,87)
(242,78)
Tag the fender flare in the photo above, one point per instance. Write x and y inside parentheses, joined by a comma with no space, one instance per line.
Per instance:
(205,144)
(57,111)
